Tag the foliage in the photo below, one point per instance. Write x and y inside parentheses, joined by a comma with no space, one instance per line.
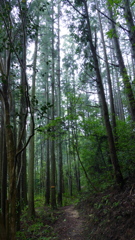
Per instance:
(126,147)
(39,227)
(67,199)
(111,33)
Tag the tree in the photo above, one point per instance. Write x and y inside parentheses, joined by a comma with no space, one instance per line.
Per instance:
(60,170)
(53,162)
(130,24)
(111,143)
(123,70)
(31,210)
(113,115)
(10,56)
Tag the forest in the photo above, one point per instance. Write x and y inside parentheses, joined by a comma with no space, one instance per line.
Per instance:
(67,119)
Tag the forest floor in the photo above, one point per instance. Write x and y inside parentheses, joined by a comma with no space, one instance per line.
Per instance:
(70,224)
(108,215)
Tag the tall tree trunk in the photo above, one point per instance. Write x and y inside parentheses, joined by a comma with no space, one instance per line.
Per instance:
(47,191)
(10,148)
(31,209)
(123,71)
(76,163)
(113,117)
(53,164)
(47,183)
(23,112)
(119,110)
(70,178)
(6,98)
(2,229)
(3,173)
(60,170)
(112,148)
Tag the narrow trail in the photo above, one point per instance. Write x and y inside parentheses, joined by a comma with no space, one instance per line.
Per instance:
(70,225)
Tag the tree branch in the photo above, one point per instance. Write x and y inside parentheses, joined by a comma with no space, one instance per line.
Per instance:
(76,9)
(119,25)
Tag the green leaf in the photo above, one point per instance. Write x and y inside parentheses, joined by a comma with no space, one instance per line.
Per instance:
(112,2)
(132,3)
(111,33)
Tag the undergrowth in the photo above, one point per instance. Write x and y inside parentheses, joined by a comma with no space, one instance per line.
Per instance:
(109,214)
(39,227)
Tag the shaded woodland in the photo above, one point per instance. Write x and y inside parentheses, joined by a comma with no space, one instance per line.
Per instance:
(67,103)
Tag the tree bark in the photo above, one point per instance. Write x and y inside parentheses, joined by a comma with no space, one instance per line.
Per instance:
(47,183)
(11,173)
(3,171)
(53,163)
(60,169)
(2,229)
(31,208)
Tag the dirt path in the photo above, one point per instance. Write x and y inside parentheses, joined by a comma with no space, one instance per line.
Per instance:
(70,225)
